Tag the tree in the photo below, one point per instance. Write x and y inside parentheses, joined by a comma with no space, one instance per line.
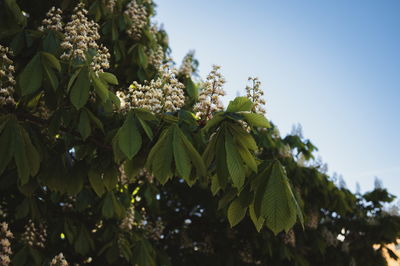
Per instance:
(111,155)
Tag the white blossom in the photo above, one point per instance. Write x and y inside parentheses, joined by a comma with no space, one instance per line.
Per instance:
(110,5)
(7,81)
(156,57)
(290,238)
(209,98)
(129,222)
(42,110)
(34,235)
(138,16)
(186,68)
(59,260)
(163,94)
(5,245)
(254,93)
(53,20)
(81,34)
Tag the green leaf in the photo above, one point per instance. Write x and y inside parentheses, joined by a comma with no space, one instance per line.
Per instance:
(129,138)
(109,78)
(257,221)
(234,162)
(107,209)
(275,200)
(230,195)
(84,125)
(100,87)
(51,77)
(80,90)
(194,155)
(96,182)
(31,77)
(146,128)
(209,152)
(215,121)
(215,185)
(51,43)
(73,78)
(243,137)
(51,60)
(31,153)
(247,157)
(240,104)
(20,156)
(160,156)
(182,160)
(84,242)
(221,163)
(144,254)
(236,212)
(256,120)
(110,178)
(95,120)
(7,144)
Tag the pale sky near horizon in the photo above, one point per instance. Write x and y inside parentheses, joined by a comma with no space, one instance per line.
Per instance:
(332,66)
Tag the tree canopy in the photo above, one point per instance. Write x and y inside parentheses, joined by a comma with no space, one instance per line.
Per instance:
(111,154)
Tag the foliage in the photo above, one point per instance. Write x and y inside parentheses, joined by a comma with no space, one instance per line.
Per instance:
(122,185)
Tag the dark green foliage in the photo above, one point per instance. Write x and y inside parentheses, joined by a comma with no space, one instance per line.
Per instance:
(227,191)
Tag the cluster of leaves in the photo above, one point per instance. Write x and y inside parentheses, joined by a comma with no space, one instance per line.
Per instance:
(224,181)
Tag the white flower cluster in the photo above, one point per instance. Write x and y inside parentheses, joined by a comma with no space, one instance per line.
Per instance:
(146,174)
(254,93)
(101,60)
(209,98)
(7,81)
(110,5)
(156,57)
(164,94)
(246,254)
(53,20)
(290,238)
(59,260)
(153,230)
(42,110)
(154,29)
(138,16)
(186,68)
(34,236)
(128,222)
(81,35)
(5,250)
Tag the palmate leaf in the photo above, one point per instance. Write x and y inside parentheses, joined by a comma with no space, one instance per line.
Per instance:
(274,199)
(15,142)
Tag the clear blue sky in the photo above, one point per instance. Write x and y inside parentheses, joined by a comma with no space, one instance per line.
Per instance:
(332,66)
